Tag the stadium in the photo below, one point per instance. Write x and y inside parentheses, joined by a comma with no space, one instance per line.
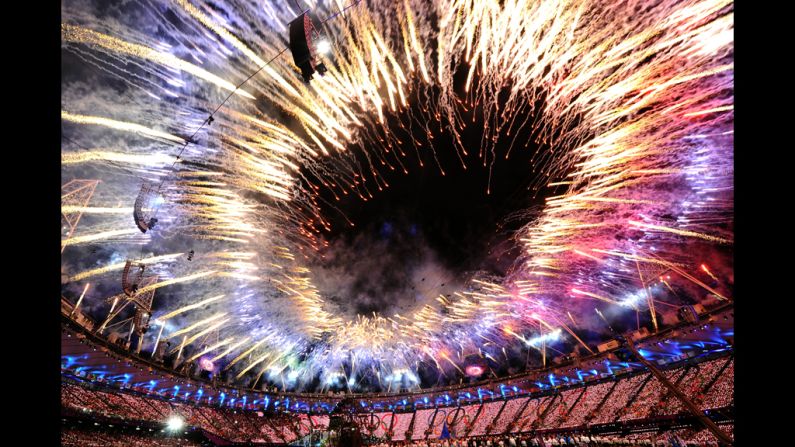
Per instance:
(397,223)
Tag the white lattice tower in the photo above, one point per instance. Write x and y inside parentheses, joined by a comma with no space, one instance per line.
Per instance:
(75,196)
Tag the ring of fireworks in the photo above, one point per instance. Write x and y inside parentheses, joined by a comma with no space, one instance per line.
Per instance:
(643,89)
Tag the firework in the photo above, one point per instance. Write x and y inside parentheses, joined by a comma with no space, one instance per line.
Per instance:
(636,110)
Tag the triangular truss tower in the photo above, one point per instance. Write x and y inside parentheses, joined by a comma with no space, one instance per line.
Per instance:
(137,291)
(75,196)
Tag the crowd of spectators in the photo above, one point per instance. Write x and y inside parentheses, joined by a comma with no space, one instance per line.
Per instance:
(530,414)
(377,424)
(591,398)
(695,437)
(721,393)
(487,414)
(644,401)
(690,385)
(509,413)
(233,425)
(73,437)
(321,421)
(562,407)
(401,425)
(619,399)
(422,422)
(709,384)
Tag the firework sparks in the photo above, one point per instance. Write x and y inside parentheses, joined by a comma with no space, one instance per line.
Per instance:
(119,125)
(635,106)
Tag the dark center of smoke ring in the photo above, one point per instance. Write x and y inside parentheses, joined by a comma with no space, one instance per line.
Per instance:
(471,254)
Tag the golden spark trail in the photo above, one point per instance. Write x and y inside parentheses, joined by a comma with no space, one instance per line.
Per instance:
(176,281)
(120,265)
(138,159)
(706,270)
(76,34)
(245,353)
(203,332)
(196,325)
(681,232)
(190,307)
(713,110)
(71,209)
(230,349)
(80,300)
(211,348)
(119,125)
(99,236)
(253,364)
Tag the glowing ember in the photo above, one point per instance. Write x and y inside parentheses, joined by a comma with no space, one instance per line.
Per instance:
(474,370)
(206,364)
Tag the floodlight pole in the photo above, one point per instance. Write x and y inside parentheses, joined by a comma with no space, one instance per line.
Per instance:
(707,422)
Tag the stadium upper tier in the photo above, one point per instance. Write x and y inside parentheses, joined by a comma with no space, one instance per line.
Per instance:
(634,401)
(92,359)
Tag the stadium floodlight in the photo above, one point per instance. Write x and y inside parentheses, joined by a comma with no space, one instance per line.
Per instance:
(175,423)
(304,48)
(323,46)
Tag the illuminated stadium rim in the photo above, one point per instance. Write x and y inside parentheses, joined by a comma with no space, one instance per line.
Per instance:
(320,408)
(527,376)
